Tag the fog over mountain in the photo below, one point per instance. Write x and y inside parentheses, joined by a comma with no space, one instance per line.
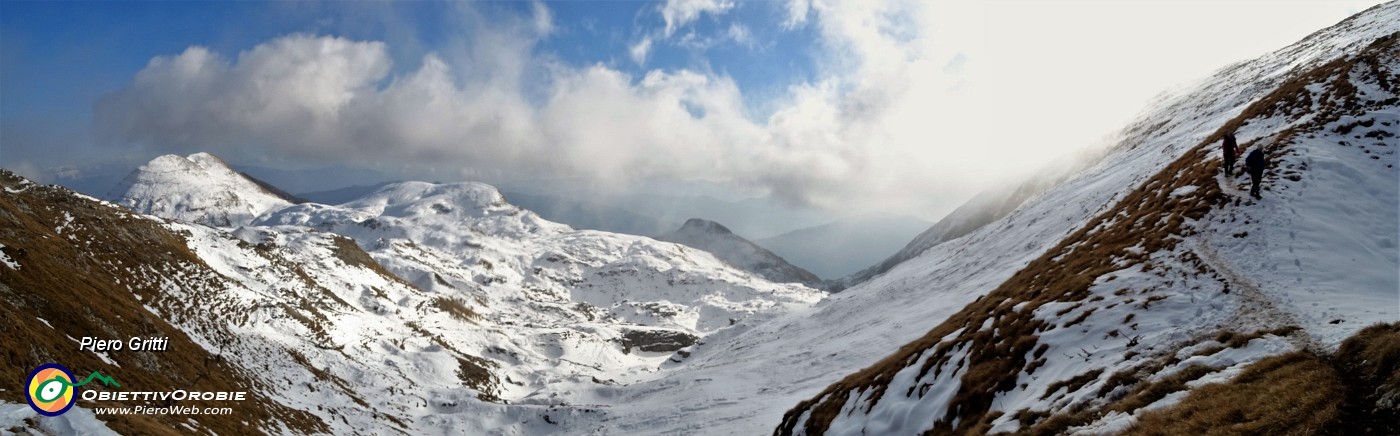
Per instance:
(733,249)
(844,246)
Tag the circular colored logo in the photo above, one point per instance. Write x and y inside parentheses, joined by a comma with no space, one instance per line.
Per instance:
(50,389)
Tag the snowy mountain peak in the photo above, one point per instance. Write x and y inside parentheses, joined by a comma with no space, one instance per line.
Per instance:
(197,188)
(442,214)
(405,199)
(206,160)
(704,226)
(737,251)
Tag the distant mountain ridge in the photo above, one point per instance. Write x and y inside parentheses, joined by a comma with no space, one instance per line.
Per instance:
(735,250)
(269,188)
(342,195)
(584,214)
(845,246)
(752,217)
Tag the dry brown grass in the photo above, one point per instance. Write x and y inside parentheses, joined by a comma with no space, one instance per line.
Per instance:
(1369,364)
(1295,393)
(1073,384)
(1374,354)
(1148,393)
(1144,393)
(82,291)
(1233,339)
(457,309)
(475,373)
(1270,382)
(349,252)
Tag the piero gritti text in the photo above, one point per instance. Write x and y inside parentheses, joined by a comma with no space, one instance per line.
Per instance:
(136,343)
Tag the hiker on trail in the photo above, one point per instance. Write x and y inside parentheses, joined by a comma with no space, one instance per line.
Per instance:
(1254,163)
(1230,153)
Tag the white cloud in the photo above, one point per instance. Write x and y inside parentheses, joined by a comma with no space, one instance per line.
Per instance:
(29,170)
(678,13)
(861,137)
(544,20)
(700,43)
(1086,68)
(297,86)
(327,99)
(640,50)
(915,105)
(740,35)
(797,13)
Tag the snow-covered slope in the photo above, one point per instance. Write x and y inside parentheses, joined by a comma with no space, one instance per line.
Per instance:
(20,418)
(1181,281)
(735,250)
(742,384)
(420,229)
(572,309)
(984,208)
(199,188)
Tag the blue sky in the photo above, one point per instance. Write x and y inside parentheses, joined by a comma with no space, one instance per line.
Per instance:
(841,104)
(49,47)
(60,57)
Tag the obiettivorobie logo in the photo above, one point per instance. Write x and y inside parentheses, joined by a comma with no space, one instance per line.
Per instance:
(51,390)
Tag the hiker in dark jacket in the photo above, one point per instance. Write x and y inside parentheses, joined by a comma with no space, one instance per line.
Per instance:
(1254,163)
(1230,151)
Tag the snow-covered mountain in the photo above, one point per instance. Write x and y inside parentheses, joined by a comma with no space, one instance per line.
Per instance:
(198,188)
(758,217)
(1174,294)
(847,245)
(422,305)
(735,250)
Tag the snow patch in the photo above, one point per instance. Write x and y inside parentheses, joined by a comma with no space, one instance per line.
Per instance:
(1184,190)
(77,420)
(6,260)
